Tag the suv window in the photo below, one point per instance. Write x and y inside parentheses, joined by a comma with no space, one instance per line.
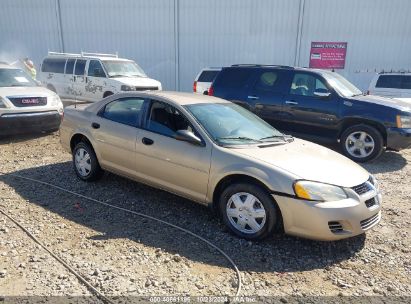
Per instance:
(234,78)
(394,82)
(125,111)
(207,76)
(268,81)
(80,67)
(95,69)
(166,120)
(53,65)
(70,66)
(305,84)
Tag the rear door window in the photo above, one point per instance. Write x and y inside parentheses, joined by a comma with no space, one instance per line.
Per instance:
(394,82)
(80,67)
(70,66)
(269,81)
(126,111)
(53,65)
(207,76)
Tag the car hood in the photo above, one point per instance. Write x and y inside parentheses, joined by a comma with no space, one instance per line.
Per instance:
(25,91)
(407,100)
(388,102)
(138,81)
(310,161)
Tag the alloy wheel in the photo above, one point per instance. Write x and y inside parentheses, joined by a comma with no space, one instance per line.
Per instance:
(359,144)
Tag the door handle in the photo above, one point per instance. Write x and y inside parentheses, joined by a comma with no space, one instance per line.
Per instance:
(253,97)
(95,125)
(147,141)
(291,102)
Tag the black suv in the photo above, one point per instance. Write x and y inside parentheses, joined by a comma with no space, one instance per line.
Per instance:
(318,105)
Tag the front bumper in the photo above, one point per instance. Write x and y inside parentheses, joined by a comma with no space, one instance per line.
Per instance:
(328,221)
(398,139)
(17,123)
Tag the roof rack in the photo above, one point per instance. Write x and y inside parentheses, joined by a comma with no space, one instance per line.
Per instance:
(83,54)
(262,65)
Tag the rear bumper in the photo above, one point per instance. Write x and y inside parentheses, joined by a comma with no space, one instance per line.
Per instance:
(329,221)
(18,123)
(398,139)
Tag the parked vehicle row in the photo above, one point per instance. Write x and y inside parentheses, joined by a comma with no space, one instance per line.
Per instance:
(93,76)
(24,105)
(318,105)
(217,153)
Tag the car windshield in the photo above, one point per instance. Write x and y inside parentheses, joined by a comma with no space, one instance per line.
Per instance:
(230,124)
(116,68)
(15,78)
(341,85)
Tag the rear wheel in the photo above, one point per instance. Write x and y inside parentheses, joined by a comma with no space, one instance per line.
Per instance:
(248,211)
(362,143)
(85,162)
(106,94)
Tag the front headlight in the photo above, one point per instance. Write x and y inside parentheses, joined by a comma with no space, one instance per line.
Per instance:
(2,103)
(374,181)
(55,100)
(318,191)
(127,88)
(403,121)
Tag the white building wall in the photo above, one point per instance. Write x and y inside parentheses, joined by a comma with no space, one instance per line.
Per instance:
(173,39)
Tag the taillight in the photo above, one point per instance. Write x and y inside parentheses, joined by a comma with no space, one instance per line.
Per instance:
(211,91)
(195,86)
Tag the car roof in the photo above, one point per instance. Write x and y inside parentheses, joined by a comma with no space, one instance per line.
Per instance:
(182,98)
(273,66)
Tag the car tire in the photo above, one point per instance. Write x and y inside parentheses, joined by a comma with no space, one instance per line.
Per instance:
(85,163)
(258,208)
(362,143)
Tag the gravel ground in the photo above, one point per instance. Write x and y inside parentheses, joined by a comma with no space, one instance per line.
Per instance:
(125,255)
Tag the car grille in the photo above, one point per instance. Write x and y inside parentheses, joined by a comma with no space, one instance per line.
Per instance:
(146,88)
(335,227)
(367,223)
(363,188)
(28,101)
(370,202)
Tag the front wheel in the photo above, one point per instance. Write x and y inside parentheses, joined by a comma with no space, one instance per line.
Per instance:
(362,143)
(248,211)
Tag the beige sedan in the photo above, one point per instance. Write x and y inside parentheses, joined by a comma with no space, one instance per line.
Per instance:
(217,153)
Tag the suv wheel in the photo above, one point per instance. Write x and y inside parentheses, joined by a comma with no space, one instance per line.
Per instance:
(248,211)
(85,163)
(362,143)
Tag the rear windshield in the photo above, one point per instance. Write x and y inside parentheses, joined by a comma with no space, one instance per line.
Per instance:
(207,76)
(394,82)
(233,78)
(53,65)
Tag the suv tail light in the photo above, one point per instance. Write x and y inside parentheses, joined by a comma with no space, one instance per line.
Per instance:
(211,91)
(195,86)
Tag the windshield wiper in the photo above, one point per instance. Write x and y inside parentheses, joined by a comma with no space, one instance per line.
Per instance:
(283,137)
(119,75)
(353,95)
(239,138)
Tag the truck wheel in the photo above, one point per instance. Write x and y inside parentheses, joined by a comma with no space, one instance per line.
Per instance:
(362,143)
(85,163)
(248,211)
(107,94)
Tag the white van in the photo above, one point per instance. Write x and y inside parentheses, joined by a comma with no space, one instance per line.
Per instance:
(92,76)
(394,85)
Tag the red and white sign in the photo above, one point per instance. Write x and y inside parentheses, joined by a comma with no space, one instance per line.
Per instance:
(328,55)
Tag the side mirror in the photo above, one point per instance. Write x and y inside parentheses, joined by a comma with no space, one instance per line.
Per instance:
(190,137)
(99,72)
(323,93)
